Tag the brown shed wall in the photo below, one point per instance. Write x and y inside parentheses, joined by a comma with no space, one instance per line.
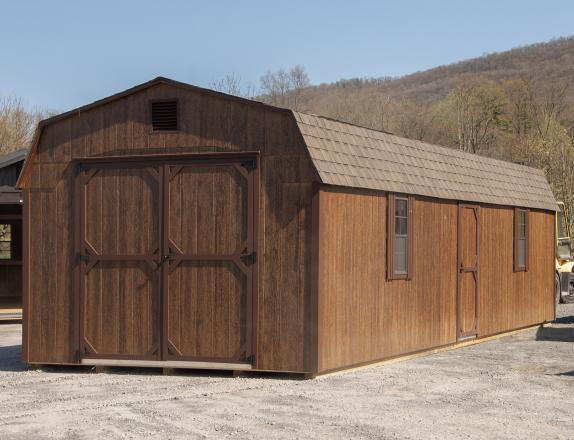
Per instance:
(364,317)
(508,299)
(209,123)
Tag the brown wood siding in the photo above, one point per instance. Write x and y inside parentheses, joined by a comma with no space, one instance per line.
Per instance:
(509,299)
(209,123)
(363,317)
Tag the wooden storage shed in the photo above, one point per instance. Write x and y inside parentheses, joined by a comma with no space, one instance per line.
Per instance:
(174,226)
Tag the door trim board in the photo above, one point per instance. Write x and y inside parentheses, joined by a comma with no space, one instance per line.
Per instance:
(475,270)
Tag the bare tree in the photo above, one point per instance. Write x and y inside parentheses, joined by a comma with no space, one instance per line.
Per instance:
(283,87)
(476,107)
(229,84)
(233,85)
(413,120)
(16,124)
(548,104)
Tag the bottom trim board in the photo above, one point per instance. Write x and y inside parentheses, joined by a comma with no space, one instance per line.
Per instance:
(166,364)
(427,352)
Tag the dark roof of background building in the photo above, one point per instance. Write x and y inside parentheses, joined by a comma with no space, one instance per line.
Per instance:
(13,157)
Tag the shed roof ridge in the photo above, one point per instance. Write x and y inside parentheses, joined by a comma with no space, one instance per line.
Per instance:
(409,155)
(315,115)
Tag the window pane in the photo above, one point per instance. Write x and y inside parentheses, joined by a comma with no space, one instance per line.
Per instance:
(401,226)
(5,241)
(400,207)
(522,252)
(400,255)
(521,224)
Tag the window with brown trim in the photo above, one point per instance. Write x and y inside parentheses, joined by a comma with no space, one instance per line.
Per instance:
(521,239)
(11,240)
(399,237)
(5,241)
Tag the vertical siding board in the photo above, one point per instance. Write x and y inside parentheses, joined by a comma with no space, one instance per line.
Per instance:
(255,136)
(61,138)
(190,121)
(269,294)
(49,233)
(35,323)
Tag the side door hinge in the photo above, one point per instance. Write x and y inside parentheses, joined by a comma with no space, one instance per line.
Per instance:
(249,164)
(248,359)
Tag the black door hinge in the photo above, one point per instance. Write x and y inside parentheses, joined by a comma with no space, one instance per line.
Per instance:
(84,257)
(249,258)
(248,359)
(249,164)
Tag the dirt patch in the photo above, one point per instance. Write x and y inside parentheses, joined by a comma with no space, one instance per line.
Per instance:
(520,386)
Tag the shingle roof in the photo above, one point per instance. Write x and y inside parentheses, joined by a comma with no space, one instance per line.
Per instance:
(353,156)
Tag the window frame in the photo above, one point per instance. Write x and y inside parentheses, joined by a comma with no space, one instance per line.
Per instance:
(391,237)
(517,266)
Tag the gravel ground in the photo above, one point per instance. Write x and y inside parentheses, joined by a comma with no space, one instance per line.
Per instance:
(520,386)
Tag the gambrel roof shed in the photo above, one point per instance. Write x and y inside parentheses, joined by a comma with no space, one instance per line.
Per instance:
(349,155)
(178,227)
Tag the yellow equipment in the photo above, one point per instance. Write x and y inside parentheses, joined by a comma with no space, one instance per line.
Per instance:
(564,261)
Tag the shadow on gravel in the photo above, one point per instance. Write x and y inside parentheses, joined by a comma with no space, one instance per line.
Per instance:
(555,334)
(566,373)
(565,320)
(11,358)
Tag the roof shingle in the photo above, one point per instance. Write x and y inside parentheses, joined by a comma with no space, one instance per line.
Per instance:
(349,155)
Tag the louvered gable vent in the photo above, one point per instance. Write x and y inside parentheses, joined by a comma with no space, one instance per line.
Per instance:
(164,115)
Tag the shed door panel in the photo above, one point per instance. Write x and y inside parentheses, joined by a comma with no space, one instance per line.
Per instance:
(209,281)
(468,259)
(119,248)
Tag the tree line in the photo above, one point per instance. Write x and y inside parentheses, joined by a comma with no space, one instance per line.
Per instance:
(522,120)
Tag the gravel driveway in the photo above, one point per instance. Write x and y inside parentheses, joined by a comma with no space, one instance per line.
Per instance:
(520,386)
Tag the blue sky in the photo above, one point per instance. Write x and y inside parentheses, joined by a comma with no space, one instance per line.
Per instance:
(62,54)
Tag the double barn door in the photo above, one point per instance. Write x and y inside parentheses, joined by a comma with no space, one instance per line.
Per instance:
(166,258)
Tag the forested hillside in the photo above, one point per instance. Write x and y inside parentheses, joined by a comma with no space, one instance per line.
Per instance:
(549,62)
(516,105)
